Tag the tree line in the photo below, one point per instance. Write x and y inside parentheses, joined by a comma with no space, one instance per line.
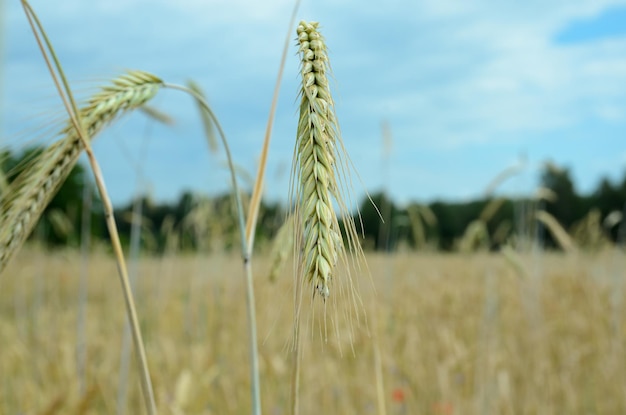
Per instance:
(198,222)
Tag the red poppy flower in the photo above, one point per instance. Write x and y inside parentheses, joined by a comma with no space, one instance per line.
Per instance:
(398,395)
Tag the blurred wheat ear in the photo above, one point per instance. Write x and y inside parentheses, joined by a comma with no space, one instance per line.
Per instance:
(28,195)
(320,164)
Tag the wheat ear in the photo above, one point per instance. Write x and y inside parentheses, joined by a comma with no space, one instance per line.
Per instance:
(32,190)
(316,162)
(559,233)
(281,247)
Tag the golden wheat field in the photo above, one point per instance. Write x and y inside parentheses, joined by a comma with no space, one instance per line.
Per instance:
(457,334)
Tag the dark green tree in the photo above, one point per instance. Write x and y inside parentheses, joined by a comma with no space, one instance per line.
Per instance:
(568,207)
(378,234)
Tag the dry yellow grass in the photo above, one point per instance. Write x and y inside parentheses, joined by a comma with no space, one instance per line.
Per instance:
(459,335)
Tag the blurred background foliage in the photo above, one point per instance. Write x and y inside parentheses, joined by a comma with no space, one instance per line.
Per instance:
(199,222)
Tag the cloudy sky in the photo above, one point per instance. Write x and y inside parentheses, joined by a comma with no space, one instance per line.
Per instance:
(467,88)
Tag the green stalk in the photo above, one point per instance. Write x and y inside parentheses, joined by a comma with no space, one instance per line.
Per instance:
(255,382)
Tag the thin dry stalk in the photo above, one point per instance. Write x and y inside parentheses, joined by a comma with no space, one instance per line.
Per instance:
(96,115)
(255,200)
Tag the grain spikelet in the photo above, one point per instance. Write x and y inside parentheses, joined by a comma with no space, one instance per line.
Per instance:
(4,184)
(475,237)
(417,227)
(207,121)
(419,217)
(427,214)
(320,168)
(169,234)
(182,392)
(33,189)
(588,232)
(560,234)
(544,193)
(502,232)
(612,219)
(55,406)
(514,260)
(157,115)
(282,246)
(61,223)
(491,209)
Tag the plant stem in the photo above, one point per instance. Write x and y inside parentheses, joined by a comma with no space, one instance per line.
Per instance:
(85,242)
(378,363)
(255,200)
(246,250)
(135,242)
(66,95)
(231,165)
(296,353)
(254,353)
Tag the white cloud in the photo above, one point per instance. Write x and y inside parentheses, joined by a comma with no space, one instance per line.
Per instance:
(446,74)
(497,72)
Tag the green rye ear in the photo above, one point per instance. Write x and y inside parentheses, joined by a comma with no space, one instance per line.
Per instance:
(315,149)
(320,167)
(32,190)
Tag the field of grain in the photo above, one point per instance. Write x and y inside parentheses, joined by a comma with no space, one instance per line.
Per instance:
(458,334)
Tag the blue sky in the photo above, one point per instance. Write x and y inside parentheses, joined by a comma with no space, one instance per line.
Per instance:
(468,89)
